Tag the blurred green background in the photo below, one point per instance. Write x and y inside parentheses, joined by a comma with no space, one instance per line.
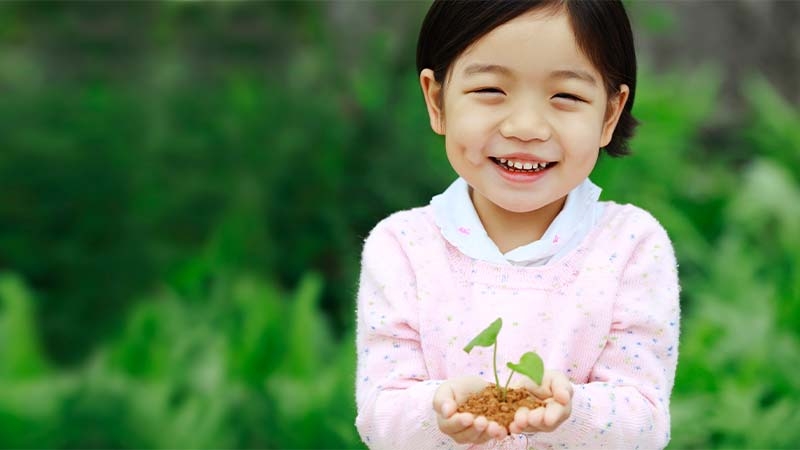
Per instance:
(185,187)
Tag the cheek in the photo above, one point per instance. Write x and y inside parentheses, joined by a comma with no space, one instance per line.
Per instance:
(581,139)
(462,119)
(468,132)
(463,149)
(466,111)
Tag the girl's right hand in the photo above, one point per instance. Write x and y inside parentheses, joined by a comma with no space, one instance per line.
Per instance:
(556,390)
(464,428)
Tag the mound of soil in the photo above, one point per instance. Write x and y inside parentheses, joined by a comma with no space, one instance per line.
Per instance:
(488,403)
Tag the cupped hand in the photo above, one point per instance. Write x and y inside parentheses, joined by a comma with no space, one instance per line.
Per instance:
(464,428)
(556,392)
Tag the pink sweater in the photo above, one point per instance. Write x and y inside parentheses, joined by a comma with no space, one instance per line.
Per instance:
(606,315)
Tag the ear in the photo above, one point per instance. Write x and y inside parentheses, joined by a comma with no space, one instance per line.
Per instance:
(432,91)
(613,111)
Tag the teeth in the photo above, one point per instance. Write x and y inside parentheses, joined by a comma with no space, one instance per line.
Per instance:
(522,165)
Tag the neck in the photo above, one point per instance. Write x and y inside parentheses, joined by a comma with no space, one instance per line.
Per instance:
(509,229)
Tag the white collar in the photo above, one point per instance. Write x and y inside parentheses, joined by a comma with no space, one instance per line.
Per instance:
(459,222)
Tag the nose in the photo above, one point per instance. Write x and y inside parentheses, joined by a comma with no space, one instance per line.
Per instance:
(526,123)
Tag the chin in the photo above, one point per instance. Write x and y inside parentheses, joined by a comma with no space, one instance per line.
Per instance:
(520,208)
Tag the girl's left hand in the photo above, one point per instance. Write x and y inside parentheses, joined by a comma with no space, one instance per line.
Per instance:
(556,392)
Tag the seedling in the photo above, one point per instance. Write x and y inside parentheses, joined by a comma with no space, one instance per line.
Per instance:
(530,364)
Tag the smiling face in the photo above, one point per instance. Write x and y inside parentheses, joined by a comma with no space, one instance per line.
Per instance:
(524,114)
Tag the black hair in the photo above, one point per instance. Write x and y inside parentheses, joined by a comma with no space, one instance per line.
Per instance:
(602,31)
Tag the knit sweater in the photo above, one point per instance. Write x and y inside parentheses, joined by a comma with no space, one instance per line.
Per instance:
(606,315)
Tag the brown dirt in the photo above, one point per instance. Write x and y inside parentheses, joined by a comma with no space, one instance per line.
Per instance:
(487,403)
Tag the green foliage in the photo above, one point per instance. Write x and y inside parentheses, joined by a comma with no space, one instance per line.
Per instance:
(740,344)
(731,208)
(246,366)
(21,354)
(530,364)
(773,124)
(231,123)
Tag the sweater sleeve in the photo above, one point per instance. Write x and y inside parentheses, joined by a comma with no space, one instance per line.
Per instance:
(625,404)
(394,394)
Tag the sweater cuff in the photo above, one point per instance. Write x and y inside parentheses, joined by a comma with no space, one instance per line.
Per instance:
(404,419)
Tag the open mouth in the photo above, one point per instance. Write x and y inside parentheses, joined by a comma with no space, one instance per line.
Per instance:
(517,166)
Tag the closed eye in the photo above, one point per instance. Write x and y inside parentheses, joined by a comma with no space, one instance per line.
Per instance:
(569,97)
(488,90)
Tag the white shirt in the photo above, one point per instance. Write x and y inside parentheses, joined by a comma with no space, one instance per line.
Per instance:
(459,222)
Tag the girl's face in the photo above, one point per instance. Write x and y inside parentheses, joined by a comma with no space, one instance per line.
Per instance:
(524,114)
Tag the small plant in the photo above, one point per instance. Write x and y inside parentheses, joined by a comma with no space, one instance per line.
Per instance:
(530,364)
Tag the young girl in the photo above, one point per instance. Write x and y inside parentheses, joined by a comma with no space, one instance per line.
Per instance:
(526,95)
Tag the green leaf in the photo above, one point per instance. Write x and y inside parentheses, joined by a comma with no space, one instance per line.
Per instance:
(487,337)
(530,365)
(23,357)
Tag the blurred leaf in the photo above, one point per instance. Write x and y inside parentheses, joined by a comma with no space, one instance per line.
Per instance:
(773,124)
(308,337)
(22,356)
(769,199)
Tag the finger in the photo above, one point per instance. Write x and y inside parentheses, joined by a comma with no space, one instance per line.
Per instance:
(554,414)
(523,382)
(536,419)
(486,430)
(550,379)
(543,390)
(481,438)
(472,436)
(496,431)
(463,387)
(480,424)
(562,390)
(472,433)
(456,424)
(449,408)
(444,395)
(563,395)
(520,422)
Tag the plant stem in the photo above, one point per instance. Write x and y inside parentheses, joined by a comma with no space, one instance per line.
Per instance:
(496,378)
(507,382)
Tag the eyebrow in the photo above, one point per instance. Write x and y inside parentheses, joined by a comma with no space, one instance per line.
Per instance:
(581,75)
(476,68)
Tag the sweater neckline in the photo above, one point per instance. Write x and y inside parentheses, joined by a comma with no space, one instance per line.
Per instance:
(458,222)
(550,276)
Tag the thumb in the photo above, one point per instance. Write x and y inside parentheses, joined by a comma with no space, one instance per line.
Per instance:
(444,400)
(527,383)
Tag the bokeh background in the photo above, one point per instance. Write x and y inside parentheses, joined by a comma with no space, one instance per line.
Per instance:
(185,187)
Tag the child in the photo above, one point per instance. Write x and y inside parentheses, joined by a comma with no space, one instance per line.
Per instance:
(526,94)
